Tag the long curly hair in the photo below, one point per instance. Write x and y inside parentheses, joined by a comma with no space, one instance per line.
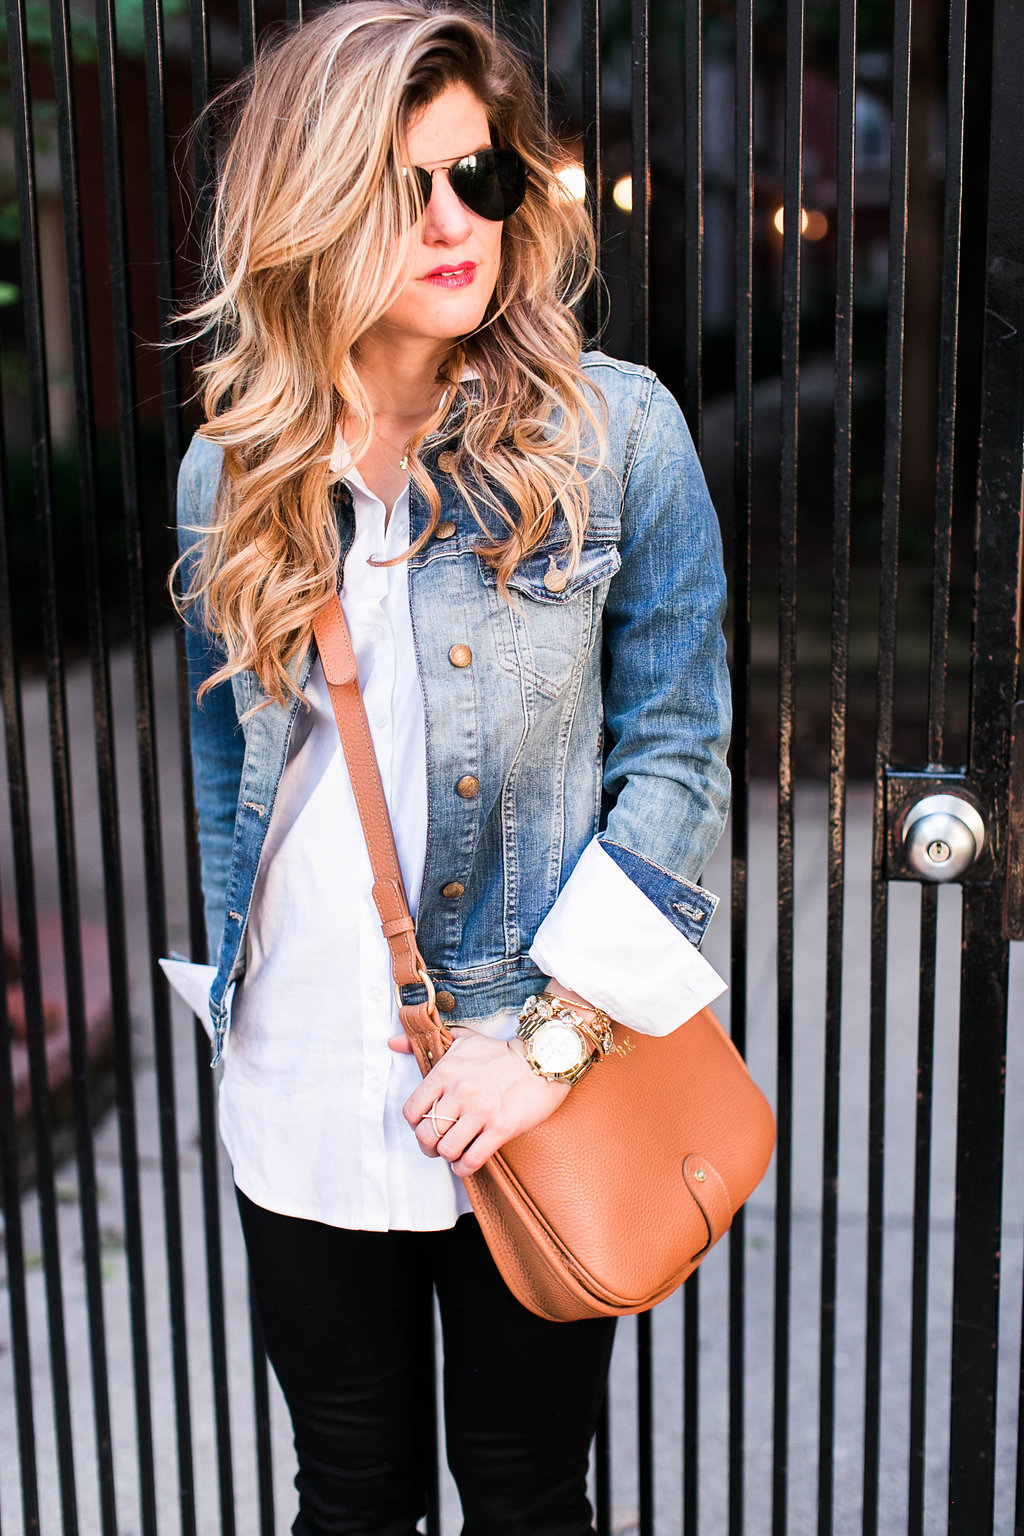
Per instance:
(306,250)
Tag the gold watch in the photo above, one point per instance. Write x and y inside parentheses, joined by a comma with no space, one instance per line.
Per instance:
(562,1044)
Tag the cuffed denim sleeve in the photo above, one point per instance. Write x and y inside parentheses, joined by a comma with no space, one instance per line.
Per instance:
(638,907)
(607,941)
(218,745)
(667,703)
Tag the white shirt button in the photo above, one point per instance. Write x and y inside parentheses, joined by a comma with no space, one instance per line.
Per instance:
(380,721)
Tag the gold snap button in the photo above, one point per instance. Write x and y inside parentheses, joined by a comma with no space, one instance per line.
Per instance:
(446,462)
(453,890)
(445,1002)
(444,530)
(554,579)
(468,787)
(460,655)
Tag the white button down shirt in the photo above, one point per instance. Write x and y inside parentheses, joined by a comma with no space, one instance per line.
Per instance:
(311,1095)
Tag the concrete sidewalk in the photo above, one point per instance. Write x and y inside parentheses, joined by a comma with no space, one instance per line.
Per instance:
(803,1347)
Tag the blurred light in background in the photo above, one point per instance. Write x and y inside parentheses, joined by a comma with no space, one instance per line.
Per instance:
(622,194)
(574,180)
(813,223)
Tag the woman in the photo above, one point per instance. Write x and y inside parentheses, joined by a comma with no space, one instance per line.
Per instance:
(397,404)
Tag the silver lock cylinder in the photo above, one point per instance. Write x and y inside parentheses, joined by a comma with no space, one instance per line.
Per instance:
(943,835)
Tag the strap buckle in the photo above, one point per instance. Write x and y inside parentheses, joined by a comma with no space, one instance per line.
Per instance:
(431,994)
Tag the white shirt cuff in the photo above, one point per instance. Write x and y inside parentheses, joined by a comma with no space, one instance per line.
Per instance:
(192,982)
(605,940)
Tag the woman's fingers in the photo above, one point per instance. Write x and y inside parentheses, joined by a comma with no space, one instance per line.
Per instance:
(454,1142)
(477,1152)
(480,1095)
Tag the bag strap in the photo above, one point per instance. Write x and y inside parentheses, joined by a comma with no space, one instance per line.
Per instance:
(421,1021)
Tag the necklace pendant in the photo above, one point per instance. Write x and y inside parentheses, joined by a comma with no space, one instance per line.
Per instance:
(403,462)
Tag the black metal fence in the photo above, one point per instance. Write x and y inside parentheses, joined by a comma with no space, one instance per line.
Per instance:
(812,224)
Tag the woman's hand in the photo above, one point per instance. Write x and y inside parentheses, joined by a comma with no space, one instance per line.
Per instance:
(482,1093)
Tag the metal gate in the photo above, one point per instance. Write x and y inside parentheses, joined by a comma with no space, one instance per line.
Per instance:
(812,224)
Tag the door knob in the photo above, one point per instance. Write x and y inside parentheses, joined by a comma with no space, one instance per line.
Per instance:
(943,835)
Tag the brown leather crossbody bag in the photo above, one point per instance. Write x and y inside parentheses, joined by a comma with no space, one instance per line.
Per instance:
(610,1203)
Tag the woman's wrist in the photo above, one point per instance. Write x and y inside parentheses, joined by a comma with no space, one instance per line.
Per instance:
(563,1038)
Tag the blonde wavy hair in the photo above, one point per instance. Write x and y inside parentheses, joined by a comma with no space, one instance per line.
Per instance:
(311,221)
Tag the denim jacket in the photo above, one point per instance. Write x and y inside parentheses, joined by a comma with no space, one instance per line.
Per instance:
(596,706)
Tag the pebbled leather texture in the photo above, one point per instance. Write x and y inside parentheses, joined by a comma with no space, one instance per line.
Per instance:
(598,1211)
(606,1207)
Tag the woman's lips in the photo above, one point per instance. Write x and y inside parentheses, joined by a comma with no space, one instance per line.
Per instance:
(458,276)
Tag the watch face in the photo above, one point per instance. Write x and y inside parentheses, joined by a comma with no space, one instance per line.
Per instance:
(558,1048)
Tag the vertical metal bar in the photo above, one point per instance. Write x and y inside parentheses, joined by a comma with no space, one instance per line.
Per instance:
(948,338)
(993,687)
(644,1425)
(693,406)
(603,1474)
(14,1241)
(433,1480)
(984,982)
(639,229)
(593,310)
(691,1385)
(898,178)
(143,681)
(261,1410)
(539,51)
(792,207)
(945,437)
(639,247)
(743,135)
(922,1208)
(17,774)
(1018,1501)
(836,855)
(247,30)
(694,208)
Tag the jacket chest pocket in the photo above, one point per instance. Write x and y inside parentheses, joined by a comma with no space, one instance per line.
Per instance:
(545,633)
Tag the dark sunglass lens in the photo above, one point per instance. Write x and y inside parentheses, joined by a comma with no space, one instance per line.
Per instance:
(426,183)
(491,183)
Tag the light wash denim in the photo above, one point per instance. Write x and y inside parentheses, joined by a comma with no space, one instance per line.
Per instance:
(602,707)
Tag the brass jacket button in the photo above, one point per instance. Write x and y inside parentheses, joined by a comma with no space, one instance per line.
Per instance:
(446,462)
(554,579)
(445,1002)
(454,889)
(460,655)
(468,787)
(444,530)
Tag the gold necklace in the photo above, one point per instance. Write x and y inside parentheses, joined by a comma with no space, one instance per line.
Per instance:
(403,453)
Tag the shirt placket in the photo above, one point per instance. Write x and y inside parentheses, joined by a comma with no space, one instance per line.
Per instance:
(364,599)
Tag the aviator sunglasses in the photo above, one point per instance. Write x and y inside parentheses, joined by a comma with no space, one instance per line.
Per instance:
(491,182)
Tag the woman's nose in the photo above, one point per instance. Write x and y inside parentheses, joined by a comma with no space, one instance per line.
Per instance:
(445,218)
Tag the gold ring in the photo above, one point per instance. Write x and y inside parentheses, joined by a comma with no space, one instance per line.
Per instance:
(433,1117)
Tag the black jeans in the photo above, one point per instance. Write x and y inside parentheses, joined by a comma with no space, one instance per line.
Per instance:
(346,1319)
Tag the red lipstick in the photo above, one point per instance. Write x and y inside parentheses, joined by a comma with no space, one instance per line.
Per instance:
(455,275)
